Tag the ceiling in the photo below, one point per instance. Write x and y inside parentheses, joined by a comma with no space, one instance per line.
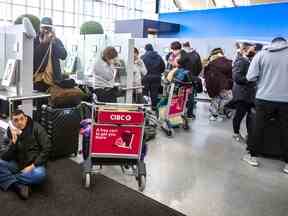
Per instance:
(200,4)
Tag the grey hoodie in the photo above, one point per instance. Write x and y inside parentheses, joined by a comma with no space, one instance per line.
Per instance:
(269,69)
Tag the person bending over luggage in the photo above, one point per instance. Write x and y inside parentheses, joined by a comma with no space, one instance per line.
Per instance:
(24,162)
(103,75)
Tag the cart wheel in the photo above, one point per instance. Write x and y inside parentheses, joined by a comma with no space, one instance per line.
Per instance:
(86,180)
(141,183)
(169,133)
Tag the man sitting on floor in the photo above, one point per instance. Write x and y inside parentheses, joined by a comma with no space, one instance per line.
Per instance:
(23,164)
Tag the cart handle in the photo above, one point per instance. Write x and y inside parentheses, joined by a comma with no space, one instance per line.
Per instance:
(182,83)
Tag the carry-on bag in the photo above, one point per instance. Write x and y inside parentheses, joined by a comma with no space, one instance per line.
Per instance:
(63,126)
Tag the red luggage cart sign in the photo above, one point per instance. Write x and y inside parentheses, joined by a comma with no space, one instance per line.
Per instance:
(126,118)
(117,140)
(178,102)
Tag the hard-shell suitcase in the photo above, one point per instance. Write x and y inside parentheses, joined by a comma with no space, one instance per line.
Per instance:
(271,140)
(63,126)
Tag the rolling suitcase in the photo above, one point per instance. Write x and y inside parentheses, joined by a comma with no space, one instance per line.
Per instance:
(271,140)
(62,126)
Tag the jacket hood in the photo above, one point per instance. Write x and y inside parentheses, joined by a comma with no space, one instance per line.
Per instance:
(277,46)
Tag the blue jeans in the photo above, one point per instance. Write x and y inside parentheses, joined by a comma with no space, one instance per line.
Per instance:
(10,174)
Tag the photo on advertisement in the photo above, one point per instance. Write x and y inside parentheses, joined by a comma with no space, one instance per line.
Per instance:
(125,140)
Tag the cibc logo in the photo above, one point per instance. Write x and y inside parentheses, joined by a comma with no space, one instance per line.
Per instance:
(118,117)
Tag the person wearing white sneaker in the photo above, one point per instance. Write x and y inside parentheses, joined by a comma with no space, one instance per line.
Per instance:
(252,160)
(285,170)
(269,70)
(238,137)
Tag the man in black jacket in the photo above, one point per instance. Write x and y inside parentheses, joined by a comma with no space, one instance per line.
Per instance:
(194,66)
(44,39)
(152,80)
(23,164)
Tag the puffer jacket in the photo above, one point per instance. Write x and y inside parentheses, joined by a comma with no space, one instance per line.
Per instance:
(32,146)
(218,75)
(155,66)
(243,90)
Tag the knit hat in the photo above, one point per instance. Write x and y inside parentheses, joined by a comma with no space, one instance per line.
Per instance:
(46,22)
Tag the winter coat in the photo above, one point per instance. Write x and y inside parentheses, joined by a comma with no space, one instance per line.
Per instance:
(32,146)
(58,52)
(243,90)
(195,64)
(155,66)
(218,75)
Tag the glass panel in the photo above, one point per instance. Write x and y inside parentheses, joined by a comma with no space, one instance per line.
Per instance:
(69,5)
(58,4)
(47,13)
(3,9)
(58,18)
(22,2)
(34,11)
(34,3)
(68,19)
(18,11)
(48,4)
(59,32)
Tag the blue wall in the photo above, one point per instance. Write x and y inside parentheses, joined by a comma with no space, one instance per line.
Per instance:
(252,22)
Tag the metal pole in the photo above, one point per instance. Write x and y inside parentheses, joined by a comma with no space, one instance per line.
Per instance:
(130,62)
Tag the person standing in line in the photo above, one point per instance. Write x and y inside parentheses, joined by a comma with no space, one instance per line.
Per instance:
(269,69)
(152,80)
(218,79)
(194,65)
(243,90)
(139,71)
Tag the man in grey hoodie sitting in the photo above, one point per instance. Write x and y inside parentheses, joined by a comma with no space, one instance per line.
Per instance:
(269,69)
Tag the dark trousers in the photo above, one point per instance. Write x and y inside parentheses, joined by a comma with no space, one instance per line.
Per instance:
(265,110)
(242,109)
(152,89)
(4,108)
(191,102)
(10,173)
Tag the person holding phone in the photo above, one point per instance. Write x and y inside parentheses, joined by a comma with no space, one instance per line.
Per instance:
(24,163)
(42,42)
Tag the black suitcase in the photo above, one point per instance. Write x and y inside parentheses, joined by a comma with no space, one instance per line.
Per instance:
(271,140)
(62,126)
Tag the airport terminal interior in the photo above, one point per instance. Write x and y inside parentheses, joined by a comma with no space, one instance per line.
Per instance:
(144,107)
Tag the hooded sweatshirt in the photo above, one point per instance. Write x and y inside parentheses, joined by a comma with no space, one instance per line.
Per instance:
(155,66)
(269,68)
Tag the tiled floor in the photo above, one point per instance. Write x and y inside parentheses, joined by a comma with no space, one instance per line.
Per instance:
(200,173)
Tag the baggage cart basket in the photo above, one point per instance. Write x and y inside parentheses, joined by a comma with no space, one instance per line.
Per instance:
(116,139)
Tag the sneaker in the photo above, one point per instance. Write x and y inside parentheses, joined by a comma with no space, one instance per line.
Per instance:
(238,138)
(251,160)
(23,191)
(285,170)
(212,118)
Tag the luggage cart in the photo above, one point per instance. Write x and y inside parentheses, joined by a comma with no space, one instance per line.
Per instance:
(116,139)
(177,94)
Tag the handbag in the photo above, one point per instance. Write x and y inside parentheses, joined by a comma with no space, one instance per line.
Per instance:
(45,77)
